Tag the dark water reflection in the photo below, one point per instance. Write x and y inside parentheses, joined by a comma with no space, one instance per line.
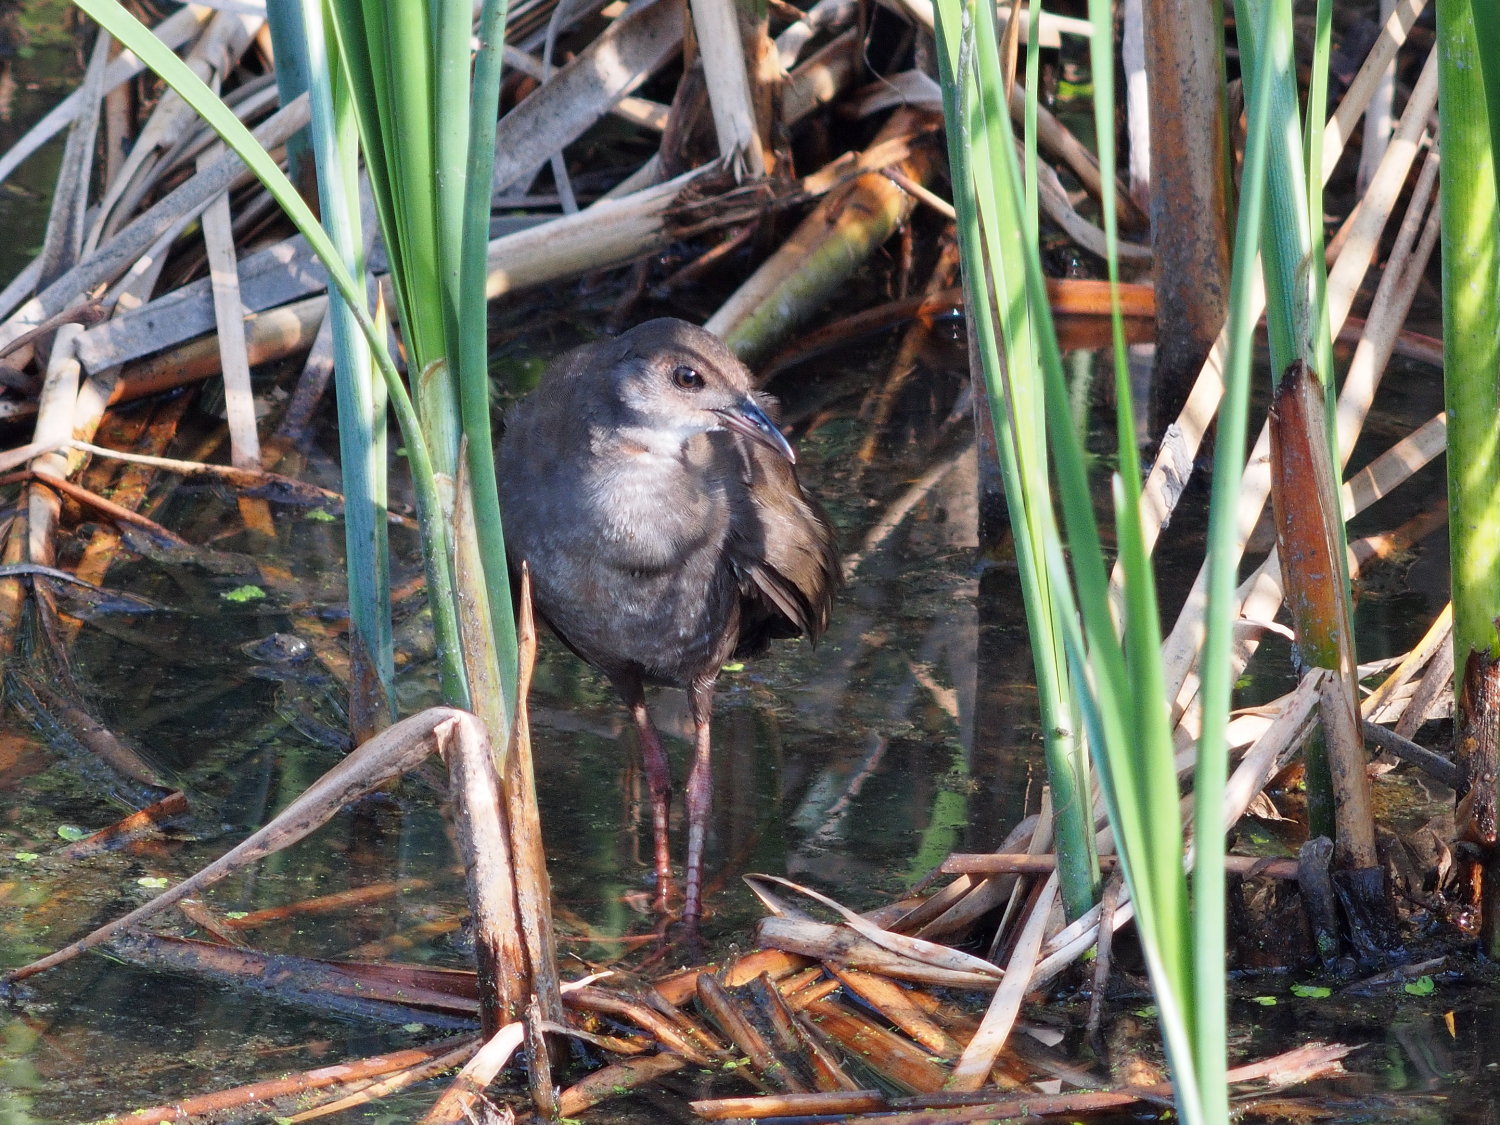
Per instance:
(854,767)
(910,732)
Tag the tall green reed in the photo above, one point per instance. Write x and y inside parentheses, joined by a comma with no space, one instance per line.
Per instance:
(425,120)
(1471,320)
(1114,676)
(361,398)
(1469,119)
(996,225)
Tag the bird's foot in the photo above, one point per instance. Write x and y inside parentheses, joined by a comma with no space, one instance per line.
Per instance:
(678,940)
(685,939)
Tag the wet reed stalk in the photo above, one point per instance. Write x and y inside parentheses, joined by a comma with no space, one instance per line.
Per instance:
(360,395)
(1297,326)
(426,128)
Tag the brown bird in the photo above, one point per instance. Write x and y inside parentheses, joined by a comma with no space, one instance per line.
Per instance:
(656,503)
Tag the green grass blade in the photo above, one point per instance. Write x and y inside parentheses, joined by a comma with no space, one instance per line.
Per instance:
(1107,726)
(1147,747)
(1486,17)
(1286,241)
(1223,559)
(974,118)
(979,134)
(284,18)
(1471,324)
(361,408)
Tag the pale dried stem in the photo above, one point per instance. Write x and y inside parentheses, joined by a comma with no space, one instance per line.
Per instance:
(219,47)
(724,55)
(123,250)
(979,1056)
(1437,635)
(173,31)
(63,241)
(223,272)
(54,426)
(573,99)
(1359,237)
(1341,125)
(1404,271)
(1259,597)
(1378,116)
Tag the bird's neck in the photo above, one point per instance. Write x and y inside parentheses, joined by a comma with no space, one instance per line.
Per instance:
(646,446)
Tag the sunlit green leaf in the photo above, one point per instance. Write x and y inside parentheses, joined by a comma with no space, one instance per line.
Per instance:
(246,593)
(1422,986)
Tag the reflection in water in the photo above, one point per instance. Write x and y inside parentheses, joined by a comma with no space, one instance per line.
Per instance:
(911,731)
(854,767)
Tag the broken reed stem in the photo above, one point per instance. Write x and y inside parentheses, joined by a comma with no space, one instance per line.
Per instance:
(1309,540)
(489,874)
(284,486)
(1301,1064)
(616,1079)
(1024,863)
(91,500)
(296,1085)
(529,857)
(464,1094)
(400,1080)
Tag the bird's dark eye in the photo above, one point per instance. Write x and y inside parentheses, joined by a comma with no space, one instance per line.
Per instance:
(687,379)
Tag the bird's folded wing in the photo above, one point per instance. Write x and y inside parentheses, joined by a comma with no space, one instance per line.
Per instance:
(789,559)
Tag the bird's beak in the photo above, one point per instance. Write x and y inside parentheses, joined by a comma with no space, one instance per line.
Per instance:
(749,419)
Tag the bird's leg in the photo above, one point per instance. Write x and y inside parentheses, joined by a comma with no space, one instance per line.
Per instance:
(699,795)
(659,781)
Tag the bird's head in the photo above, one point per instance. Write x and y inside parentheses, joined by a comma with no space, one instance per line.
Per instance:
(676,380)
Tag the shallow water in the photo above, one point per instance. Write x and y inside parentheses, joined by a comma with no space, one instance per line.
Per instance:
(853,767)
(910,732)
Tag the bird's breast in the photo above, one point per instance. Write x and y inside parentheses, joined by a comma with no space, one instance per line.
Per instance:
(652,515)
(630,552)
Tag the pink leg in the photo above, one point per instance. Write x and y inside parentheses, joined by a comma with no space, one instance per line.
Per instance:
(659,781)
(699,797)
